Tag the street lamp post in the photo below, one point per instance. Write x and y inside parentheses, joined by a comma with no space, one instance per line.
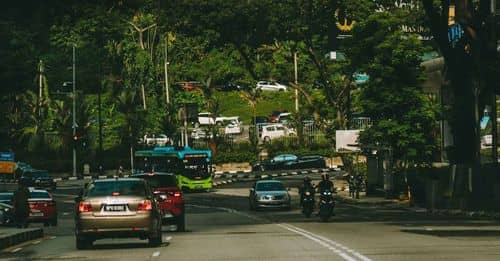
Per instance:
(74,108)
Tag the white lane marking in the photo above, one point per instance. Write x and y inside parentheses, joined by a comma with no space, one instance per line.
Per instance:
(36,242)
(155,254)
(168,238)
(337,251)
(66,213)
(428,229)
(16,250)
(53,237)
(346,249)
(336,247)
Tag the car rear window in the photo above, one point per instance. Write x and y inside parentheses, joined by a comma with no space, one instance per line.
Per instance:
(269,186)
(39,194)
(37,174)
(116,187)
(160,181)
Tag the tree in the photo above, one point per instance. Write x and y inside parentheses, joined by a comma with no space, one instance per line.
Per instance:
(470,71)
(403,117)
(127,102)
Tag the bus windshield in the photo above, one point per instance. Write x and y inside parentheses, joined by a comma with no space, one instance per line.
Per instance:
(154,164)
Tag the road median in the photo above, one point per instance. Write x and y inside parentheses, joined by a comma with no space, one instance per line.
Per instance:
(13,236)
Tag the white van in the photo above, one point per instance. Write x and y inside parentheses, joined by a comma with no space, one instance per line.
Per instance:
(273,131)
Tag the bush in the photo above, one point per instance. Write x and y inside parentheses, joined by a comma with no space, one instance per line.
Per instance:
(235,156)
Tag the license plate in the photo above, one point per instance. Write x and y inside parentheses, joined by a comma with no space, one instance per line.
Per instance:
(113,208)
(36,214)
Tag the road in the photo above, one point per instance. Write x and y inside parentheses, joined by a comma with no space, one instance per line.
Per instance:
(220,227)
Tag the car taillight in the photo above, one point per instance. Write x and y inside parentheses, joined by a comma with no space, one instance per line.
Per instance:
(84,207)
(146,205)
(177,194)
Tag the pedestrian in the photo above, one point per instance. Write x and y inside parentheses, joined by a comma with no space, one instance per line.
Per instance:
(120,171)
(21,205)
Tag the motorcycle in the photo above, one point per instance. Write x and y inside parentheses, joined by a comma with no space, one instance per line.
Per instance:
(308,203)
(326,205)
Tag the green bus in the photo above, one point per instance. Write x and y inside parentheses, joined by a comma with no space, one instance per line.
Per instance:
(192,167)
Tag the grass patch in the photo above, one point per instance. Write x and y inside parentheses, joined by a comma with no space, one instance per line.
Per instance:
(233,105)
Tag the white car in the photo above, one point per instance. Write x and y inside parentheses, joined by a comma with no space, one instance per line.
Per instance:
(233,127)
(271,86)
(199,133)
(160,139)
(205,118)
(274,131)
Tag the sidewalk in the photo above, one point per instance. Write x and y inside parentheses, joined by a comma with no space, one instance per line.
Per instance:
(10,236)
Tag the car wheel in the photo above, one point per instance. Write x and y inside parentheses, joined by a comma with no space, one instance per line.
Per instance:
(281,90)
(181,223)
(267,139)
(83,243)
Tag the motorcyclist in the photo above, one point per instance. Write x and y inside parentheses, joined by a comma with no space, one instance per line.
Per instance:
(306,186)
(325,183)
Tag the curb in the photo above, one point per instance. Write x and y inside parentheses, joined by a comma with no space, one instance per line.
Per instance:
(20,237)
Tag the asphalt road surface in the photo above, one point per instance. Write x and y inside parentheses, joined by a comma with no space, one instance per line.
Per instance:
(220,227)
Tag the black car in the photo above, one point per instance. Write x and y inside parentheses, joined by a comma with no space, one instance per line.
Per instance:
(290,161)
(308,162)
(230,87)
(37,178)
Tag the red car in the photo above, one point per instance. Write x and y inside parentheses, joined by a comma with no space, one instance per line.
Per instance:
(169,197)
(43,207)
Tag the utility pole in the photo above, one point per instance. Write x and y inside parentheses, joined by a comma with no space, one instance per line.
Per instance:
(74,108)
(296,82)
(167,96)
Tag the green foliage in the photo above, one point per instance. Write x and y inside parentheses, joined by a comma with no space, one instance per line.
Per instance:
(403,117)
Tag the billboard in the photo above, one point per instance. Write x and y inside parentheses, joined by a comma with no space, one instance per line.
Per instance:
(346,140)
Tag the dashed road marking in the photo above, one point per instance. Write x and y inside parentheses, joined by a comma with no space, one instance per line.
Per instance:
(156,254)
(16,250)
(52,237)
(168,238)
(36,242)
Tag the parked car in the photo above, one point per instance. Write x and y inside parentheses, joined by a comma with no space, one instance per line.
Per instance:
(274,131)
(169,196)
(190,85)
(43,207)
(269,194)
(200,133)
(6,197)
(284,117)
(115,208)
(274,116)
(271,86)
(37,178)
(205,118)
(230,87)
(159,139)
(233,127)
(6,213)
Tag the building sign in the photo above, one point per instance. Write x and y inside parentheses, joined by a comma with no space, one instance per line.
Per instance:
(6,156)
(346,140)
(7,167)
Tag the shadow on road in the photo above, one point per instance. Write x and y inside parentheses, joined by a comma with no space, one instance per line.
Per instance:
(455,233)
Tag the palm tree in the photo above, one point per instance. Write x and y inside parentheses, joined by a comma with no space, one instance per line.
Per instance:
(252,96)
(127,102)
(62,124)
(34,120)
